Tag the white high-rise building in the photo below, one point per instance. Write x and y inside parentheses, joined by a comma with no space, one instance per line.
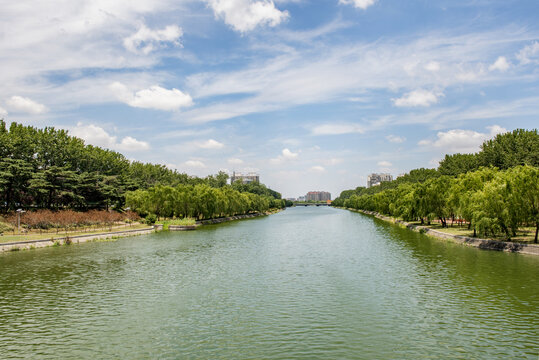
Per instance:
(376,179)
(318,196)
(245,178)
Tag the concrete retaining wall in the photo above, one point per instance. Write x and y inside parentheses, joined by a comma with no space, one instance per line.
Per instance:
(182,227)
(230,218)
(30,244)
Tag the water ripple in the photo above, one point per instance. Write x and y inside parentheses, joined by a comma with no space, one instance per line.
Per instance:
(310,283)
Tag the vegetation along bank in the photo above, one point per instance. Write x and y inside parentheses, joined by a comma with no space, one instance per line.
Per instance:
(484,244)
(492,194)
(52,183)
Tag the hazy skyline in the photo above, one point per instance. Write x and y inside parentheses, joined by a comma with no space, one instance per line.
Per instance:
(313,95)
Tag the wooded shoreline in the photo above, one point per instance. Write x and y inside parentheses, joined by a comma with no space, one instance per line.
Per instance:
(483,244)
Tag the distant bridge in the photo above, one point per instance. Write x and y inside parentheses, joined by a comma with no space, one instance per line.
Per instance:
(311,204)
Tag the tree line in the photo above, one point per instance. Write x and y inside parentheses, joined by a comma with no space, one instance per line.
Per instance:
(49,169)
(494,191)
(198,201)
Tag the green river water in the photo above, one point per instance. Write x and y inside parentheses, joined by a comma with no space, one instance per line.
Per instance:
(307,283)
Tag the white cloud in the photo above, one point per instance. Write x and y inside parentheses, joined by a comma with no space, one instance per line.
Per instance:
(433,66)
(245,15)
(146,40)
(332,161)
(155,97)
(318,168)
(418,97)
(97,136)
(286,155)
(26,105)
(289,155)
(3,112)
(362,4)
(210,144)
(529,53)
(326,73)
(191,133)
(131,144)
(463,141)
(171,166)
(500,64)
(71,36)
(235,161)
(337,129)
(385,163)
(395,139)
(194,164)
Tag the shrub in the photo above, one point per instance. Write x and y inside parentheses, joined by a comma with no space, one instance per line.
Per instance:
(151,219)
(65,219)
(4,227)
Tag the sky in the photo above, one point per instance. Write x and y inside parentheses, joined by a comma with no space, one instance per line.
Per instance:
(312,95)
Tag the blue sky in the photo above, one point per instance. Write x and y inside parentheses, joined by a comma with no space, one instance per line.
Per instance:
(313,95)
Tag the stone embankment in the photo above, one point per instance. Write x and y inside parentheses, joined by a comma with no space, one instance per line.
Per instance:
(230,218)
(159,227)
(485,244)
(32,244)
(76,239)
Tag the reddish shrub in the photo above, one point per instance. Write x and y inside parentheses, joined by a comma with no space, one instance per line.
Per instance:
(47,219)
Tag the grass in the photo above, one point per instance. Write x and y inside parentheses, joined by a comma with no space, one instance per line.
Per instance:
(51,236)
(5,227)
(524,235)
(182,222)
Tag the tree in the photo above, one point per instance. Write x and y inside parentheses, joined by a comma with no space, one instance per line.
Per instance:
(14,177)
(525,195)
(456,164)
(491,212)
(520,147)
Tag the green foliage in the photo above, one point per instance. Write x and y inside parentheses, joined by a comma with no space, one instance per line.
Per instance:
(467,187)
(199,201)
(181,222)
(520,147)
(458,164)
(47,168)
(415,176)
(151,219)
(255,188)
(5,227)
(494,202)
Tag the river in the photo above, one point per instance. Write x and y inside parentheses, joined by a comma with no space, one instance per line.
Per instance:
(306,283)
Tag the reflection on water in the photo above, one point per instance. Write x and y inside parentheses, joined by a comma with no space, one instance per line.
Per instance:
(306,283)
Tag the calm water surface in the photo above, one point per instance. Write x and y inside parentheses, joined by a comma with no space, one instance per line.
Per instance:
(307,283)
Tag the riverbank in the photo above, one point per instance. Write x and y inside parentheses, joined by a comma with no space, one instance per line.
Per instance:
(77,239)
(483,244)
(236,217)
(67,240)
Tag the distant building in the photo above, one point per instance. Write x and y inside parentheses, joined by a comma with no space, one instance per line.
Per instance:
(377,179)
(244,178)
(301,198)
(318,196)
